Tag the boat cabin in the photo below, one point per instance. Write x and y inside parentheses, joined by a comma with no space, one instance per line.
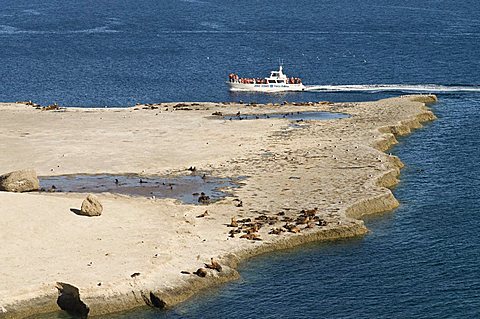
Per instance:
(277,76)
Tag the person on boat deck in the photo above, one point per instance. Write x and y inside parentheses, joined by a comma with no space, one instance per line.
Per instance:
(233,77)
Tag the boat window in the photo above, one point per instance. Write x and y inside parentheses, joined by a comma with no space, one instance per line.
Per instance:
(271,81)
(280,81)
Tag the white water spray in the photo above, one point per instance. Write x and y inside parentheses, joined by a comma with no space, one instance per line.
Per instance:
(406,88)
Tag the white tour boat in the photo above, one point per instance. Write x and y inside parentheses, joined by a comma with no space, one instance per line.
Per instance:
(277,82)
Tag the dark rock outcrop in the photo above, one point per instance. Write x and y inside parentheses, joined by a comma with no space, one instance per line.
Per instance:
(156,301)
(69,300)
(153,301)
(19,181)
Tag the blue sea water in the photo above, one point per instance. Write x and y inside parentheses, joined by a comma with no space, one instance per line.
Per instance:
(420,261)
(117,53)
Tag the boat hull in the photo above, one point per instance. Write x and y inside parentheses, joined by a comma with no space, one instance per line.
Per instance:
(273,87)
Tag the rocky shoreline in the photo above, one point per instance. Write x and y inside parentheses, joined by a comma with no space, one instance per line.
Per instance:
(335,168)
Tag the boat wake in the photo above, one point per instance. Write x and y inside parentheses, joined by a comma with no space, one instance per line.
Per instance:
(406,88)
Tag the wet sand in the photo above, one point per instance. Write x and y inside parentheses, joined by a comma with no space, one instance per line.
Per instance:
(139,246)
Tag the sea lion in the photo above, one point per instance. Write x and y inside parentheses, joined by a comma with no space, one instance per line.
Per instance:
(302,220)
(310,225)
(276,231)
(214,265)
(311,212)
(253,229)
(203,215)
(204,199)
(294,229)
(235,231)
(322,222)
(287,219)
(201,272)
(233,222)
(251,236)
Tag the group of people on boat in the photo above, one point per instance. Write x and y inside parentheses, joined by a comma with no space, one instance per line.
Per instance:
(294,80)
(232,77)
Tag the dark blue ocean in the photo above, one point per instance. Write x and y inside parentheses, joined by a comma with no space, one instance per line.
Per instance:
(421,260)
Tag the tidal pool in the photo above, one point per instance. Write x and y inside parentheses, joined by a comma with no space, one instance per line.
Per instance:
(186,188)
(293,116)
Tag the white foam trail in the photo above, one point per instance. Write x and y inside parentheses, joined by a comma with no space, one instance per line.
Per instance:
(211,25)
(194,1)
(31,12)
(9,30)
(407,88)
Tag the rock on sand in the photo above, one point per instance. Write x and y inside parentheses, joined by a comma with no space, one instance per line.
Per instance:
(91,206)
(19,181)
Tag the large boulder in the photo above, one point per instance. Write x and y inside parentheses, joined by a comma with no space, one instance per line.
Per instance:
(69,300)
(19,181)
(91,206)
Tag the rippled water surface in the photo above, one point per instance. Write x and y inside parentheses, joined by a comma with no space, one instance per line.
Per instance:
(97,53)
(420,261)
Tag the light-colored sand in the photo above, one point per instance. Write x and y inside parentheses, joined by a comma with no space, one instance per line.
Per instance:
(335,165)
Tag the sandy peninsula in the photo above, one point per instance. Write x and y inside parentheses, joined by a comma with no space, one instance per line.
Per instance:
(135,252)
